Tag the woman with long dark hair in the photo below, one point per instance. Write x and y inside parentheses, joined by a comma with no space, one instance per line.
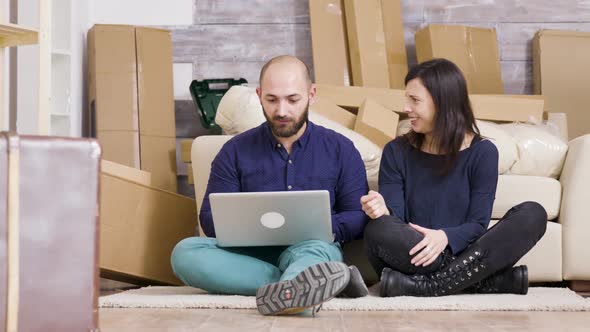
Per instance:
(437,186)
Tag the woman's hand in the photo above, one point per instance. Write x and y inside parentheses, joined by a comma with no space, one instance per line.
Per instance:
(434,242)
(374,205)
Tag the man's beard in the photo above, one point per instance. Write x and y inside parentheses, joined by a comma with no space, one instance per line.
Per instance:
(289,129)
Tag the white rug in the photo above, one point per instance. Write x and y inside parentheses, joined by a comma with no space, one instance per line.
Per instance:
(538,299)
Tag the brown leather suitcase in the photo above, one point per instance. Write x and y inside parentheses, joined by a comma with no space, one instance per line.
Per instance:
(49,193)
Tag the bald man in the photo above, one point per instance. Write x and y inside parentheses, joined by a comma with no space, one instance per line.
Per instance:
(285,153)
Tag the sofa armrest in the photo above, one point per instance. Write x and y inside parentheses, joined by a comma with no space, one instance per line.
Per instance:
(575,212)
(204,149)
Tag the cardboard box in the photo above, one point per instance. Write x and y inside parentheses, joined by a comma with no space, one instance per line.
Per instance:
(330,110)
(185,150)
(120,146)
(139,227)
(112,66)
(366,43)
(155,91)
(129,173)
(158,156)
(485,107)
(473,50)
(329,43)
(376,123)
(131,97)
(353,97)
(561,67)
(507,108)
(189,173)
(395,45)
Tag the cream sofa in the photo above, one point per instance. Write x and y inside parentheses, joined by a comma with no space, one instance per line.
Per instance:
(562,253)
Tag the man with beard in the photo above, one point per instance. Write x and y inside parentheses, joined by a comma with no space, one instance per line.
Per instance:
(285,153)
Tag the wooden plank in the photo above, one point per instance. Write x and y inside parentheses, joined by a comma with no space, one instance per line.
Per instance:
(14,35)
(241,42)
(507,11)
(250,11)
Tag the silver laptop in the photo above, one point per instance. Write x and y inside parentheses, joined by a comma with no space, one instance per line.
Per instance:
(277,218)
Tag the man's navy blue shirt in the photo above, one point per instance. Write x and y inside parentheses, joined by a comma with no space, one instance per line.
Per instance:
(320,159)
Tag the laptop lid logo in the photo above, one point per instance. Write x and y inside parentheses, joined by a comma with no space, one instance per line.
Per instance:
(272,220)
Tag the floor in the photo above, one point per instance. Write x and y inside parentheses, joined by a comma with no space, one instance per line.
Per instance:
(249,320)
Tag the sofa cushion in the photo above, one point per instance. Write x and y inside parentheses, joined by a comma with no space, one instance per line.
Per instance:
(515,189)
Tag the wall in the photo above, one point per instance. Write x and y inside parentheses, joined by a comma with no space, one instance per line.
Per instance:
(142,12)
(234,38)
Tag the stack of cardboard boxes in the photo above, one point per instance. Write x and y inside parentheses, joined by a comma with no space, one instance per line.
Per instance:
(131,99)
(360,60)
(358,43)
(131,105)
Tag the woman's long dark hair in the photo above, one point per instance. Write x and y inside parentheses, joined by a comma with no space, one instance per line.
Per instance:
(453,116)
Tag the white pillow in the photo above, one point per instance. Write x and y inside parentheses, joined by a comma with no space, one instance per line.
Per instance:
(540,152)
(240,110)
(504,142)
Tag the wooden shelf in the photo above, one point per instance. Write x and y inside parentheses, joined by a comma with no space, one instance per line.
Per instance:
(14,35)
